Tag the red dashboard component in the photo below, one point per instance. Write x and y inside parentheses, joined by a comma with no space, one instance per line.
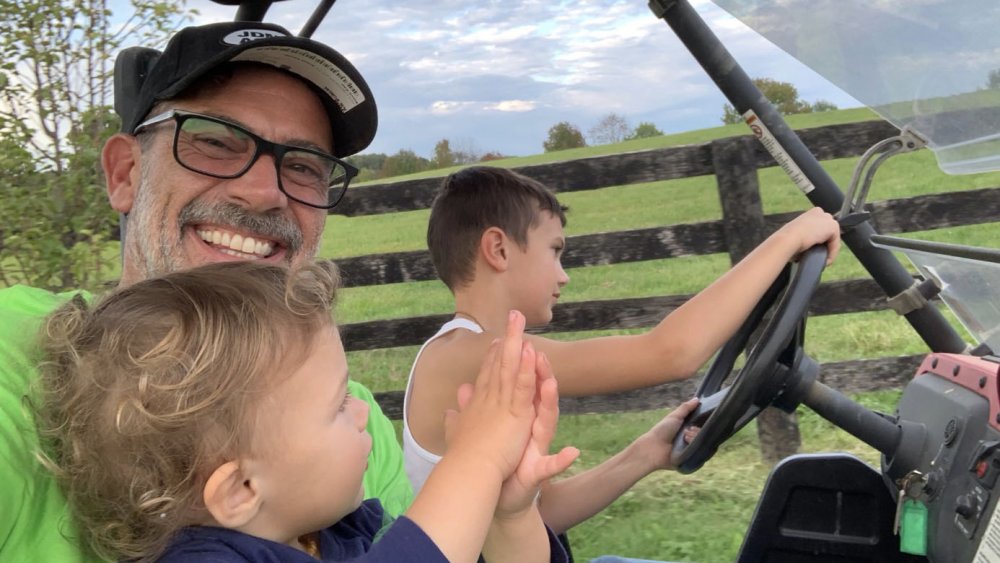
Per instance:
(976,374)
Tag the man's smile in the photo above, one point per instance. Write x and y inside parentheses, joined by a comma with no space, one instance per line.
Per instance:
(235,244)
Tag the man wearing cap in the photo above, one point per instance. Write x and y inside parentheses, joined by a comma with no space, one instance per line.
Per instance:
(230,150)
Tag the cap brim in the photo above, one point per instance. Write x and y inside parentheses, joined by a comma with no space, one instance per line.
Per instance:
(353,115)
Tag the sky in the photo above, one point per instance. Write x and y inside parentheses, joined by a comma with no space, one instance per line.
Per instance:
(494,76)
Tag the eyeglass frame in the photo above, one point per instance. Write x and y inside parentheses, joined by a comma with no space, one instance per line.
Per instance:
(261,146)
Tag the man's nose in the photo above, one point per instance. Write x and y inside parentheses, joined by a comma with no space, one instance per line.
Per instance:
(257,189)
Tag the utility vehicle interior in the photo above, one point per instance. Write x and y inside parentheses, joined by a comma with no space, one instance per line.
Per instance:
(921,66)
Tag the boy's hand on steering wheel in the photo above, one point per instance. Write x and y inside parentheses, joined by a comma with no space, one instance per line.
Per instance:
(812,227)
(658,441)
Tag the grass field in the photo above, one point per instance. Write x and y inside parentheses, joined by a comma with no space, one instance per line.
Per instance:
(700,517)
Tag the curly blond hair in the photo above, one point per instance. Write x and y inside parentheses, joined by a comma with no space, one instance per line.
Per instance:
(144,394)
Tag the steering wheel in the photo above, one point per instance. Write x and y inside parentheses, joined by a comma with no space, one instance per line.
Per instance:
(761,380)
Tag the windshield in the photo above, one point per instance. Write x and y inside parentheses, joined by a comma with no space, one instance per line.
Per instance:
(930,65)
(969,278)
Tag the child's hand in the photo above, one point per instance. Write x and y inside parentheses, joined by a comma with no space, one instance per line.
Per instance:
(494,420)
(813,227)
(658,442)
(536,465)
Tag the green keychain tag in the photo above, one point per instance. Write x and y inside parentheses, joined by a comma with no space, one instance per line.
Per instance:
(913,528)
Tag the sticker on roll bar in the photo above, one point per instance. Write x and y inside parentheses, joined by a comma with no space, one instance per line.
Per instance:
(777,151)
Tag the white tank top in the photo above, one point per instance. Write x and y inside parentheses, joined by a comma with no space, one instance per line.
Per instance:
(418,461)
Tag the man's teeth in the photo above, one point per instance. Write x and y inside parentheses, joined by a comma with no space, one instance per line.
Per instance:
(238,243)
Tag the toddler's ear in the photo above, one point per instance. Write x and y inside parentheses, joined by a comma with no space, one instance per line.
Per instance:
(231,496)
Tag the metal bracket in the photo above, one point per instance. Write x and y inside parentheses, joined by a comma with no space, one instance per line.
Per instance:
(852,220)
(914,297)
(908,140)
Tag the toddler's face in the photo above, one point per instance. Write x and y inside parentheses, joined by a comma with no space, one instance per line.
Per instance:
(314,445)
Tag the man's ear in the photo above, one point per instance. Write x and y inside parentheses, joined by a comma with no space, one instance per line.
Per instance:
(120,159)
(231,496)
(493,247)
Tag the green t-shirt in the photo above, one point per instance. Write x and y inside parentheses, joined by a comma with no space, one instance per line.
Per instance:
(34,518)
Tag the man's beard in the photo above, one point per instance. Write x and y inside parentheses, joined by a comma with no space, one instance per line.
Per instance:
(158,248)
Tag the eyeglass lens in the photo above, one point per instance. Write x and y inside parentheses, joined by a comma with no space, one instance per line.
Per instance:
(221,150)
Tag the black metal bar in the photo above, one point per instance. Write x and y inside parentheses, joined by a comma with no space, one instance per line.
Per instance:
(734,83)
(316,18)
(957,250)
(901,441)
(865,425)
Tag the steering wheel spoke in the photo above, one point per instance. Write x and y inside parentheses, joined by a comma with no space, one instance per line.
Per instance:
(765,375)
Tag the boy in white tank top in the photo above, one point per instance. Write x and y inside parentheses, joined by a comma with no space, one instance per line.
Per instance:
(496,239)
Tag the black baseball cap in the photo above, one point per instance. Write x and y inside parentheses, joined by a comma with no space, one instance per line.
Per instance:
(146,76)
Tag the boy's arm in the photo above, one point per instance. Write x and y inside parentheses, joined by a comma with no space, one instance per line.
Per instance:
(567,502)
(684,340)
(518,539)
(385,478)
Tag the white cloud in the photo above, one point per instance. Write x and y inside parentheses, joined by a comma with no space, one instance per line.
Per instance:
(502,73)
(516,106)
(448,107)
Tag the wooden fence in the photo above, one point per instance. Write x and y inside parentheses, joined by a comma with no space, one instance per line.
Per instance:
(734,161)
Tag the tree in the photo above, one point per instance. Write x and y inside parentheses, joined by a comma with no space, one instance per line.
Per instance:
(369,165)
(643,131)
(443,155)
(823,105)
(730,115)
(782,95)
(563,136)
(492,155)
(612,128)
(404,162)
(55,114)
(993,79)
(370,161)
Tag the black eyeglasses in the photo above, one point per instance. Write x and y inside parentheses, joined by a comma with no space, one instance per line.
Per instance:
(215,147)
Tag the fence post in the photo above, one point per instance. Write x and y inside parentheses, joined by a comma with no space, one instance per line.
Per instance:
(744,226)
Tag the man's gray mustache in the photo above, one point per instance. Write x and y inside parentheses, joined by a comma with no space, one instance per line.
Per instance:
(275,227)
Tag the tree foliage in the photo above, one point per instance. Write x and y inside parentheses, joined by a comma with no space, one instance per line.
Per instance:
(491,156)
(730,115)
(644,130)
(823,105)
(446,154)
(993,79)
(371,161)
(612,128)
(563,135)
(443,155)
(783,96)
(404,162)
(55,114)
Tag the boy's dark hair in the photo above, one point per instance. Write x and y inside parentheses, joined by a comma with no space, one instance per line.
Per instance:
(474,199)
